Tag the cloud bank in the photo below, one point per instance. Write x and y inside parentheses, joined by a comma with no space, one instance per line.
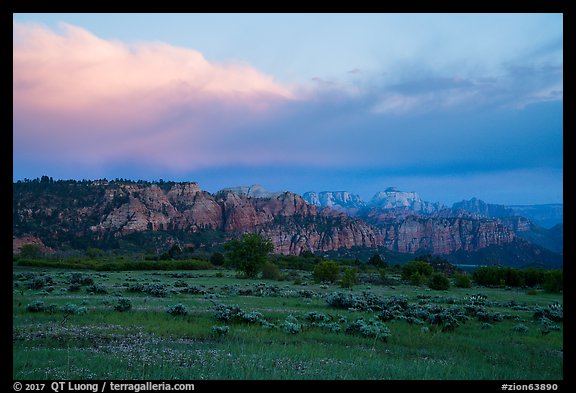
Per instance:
(93,99)
(89,107)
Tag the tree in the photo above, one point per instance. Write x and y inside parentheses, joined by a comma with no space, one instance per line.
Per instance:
(422,268)
(350,279)
(416,279)
(30,251)
(462,281)
(217,259)
(376,260)
(553,281)
(93,252)
(249,253)
(326,271)
(438,281)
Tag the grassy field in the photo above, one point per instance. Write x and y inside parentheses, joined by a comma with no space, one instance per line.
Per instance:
(68,327)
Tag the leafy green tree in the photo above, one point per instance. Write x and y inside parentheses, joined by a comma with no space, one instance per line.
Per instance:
(93,252)
(30,251)
(326,271)
(416,279)
(462,281)
(217,259)
(553,281)
(422,268)
(249,253)
(349,279)
(376,260)
(438,281)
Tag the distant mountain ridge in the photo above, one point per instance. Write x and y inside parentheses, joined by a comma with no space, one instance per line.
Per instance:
(253,191)
(393,204)
(547,215)
(68,213)
(338,200)
(392,198)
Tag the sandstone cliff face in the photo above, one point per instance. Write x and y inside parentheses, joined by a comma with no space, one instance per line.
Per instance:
(293,225)
(443,236)
(184,206)
(18,242)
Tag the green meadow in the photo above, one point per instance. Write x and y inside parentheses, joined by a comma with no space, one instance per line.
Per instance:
(211,324)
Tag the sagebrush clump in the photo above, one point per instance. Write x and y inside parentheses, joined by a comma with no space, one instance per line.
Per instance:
(177,309)
(123,304)
(220,331)
(370,328)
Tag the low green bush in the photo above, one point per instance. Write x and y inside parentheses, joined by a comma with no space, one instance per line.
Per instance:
(122,305)
(370,328)
(177,309)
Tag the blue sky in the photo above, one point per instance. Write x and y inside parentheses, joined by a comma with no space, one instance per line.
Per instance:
(449,105)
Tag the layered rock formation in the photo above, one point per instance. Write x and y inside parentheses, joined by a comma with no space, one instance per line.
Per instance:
(104,211)
(338,200)
(392,198)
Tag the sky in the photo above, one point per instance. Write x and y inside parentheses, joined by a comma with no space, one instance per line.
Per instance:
(452,106)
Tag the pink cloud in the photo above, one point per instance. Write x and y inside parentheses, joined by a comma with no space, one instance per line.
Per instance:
(93,99)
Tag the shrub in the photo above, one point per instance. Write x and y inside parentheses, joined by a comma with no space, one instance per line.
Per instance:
(270,271)
(123,304)
(96,288)
(328,271)
(520,328)
(156,290)
(438,281)
(36,306)
(177,309)
(314,316)
(75,287)
(72,309)
(291,325)
(484,316)
(344,300)
(136,287)
(370,328)
(332,327)
(227,313)
(462,281)
(220,331)
(364,301)
(80,279)
(252,317)
(554,312)
(350,279)
(38,282)
(445,319)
